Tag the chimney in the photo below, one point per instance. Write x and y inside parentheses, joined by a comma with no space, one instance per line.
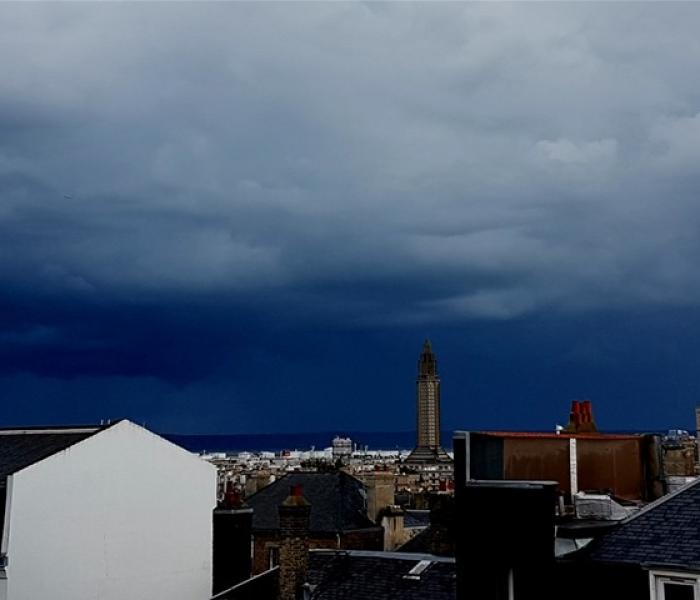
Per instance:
(392,520)
(581,418)
(442,523)
(380,492)
(233,523)
(294,514)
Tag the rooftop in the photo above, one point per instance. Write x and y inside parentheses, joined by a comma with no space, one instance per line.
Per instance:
(338,502)
(416,518)
(345,575)
(664,533)
(563,435)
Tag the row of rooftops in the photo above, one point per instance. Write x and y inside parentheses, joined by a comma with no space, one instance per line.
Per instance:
(665,534)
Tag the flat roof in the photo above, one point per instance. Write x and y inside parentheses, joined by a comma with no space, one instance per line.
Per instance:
(548,435)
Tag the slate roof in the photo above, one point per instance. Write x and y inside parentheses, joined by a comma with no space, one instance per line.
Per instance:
(664,533)
(416,518)
(20,448)
(421,542)
(338,502)
(353,575)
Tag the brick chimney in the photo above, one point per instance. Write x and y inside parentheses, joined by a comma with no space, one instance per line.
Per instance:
(581,418)
(233,522)
(294,515)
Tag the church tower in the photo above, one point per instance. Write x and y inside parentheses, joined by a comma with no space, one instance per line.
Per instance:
(427,400)
(428,447)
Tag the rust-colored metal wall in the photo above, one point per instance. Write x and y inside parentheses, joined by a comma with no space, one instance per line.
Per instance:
(612,464)
(544,459)
(603,463)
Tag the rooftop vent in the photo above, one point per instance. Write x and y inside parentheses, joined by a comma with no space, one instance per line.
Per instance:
(417,570)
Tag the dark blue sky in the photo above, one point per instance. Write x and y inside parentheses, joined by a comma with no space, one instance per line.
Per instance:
(247,217)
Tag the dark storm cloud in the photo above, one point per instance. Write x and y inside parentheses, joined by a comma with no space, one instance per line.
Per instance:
(179,181)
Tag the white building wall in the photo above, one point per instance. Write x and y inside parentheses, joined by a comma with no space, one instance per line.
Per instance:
(122,515)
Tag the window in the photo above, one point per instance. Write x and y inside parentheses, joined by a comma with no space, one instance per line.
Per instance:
(273,556)
(667,585)
(678,591)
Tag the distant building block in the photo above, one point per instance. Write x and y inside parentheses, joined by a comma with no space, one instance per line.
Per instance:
(619,464)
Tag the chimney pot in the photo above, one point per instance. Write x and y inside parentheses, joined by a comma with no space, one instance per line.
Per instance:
(232,496)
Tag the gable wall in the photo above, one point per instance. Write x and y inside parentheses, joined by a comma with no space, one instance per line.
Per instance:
(123,514)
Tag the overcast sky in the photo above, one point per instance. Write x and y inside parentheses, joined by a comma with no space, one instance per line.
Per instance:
(247,217)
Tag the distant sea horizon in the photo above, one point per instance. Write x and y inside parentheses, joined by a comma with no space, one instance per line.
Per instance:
(276,442)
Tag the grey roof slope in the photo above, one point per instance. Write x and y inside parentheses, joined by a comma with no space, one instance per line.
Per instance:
(20,448)
(666,532)
(349,575)
(416,518)
(338,502)
(421,542)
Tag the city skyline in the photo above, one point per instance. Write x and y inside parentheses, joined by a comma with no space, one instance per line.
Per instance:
(249,221)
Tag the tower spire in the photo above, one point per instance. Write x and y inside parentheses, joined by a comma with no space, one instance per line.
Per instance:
(428,447)
(427,363)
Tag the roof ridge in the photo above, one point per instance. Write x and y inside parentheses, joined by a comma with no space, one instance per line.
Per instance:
(49,430)
(659,501)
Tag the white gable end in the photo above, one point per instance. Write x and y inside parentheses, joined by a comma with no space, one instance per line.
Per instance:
(121,514)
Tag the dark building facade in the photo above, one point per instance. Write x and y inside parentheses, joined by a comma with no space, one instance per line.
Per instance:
(428,448)
(505,535)
(233,524)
